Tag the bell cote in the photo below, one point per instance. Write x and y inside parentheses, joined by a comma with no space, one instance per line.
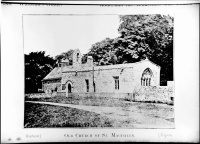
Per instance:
(77,57)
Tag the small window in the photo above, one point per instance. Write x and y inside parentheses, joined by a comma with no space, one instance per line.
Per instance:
(116,78)
(63,87)
(87,85)
(77,57)
(94,87)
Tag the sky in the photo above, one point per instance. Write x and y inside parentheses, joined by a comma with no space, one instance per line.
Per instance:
(55,34)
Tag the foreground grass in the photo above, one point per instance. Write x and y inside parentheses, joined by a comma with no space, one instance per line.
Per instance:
(87,101)
(43,116)
(139,115)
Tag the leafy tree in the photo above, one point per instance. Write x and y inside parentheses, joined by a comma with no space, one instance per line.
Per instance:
(149,36)
(65,55)
(141,36)
(84,58)
(37,66)
(103,52)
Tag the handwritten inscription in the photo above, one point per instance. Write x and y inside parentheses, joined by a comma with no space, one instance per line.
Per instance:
(164,135)
(33,135)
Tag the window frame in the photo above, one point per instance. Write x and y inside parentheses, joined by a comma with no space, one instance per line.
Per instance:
(63,86)
(87,85)
(116,79)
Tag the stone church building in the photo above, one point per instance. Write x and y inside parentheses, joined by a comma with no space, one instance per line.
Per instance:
(85,79)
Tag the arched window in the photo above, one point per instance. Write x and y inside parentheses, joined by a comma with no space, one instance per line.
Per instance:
(146,77)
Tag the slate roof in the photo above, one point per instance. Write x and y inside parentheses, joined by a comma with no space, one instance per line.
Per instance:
(54,74)
(84,67)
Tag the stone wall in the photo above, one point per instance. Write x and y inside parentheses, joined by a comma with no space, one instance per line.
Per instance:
(78,81)
(162,94)
(139,69)
(103,77)
(157,94)
(50,87)
(105,95)
(38,95)
(105,82)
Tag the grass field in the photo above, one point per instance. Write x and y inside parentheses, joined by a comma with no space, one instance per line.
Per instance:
(86,101)
(124,115)
(48,116)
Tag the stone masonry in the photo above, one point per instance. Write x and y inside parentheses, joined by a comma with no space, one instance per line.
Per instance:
(114,79)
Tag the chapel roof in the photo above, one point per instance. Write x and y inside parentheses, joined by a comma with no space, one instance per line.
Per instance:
(84,67)
(54,74)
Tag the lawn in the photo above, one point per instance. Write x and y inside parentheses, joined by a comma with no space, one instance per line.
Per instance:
(86,101)
(130,115)
(48,116)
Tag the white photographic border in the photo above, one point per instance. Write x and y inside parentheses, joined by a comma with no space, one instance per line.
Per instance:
(186,76)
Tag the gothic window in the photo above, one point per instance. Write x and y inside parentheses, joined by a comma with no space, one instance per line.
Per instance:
(146,77)
(116,78)
(87,85)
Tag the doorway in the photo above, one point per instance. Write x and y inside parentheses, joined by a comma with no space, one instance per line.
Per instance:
(69,88)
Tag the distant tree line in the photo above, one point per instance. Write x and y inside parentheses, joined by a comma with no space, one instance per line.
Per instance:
(141,36)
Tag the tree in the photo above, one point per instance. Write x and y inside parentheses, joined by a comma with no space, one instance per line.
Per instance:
(149,36)
(37,66)
(103,52)
(141,36)
(65,55)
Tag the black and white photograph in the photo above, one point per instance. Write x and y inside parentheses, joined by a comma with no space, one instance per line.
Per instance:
(99,72)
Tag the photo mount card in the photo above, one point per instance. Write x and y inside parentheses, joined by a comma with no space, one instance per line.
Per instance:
(98,84)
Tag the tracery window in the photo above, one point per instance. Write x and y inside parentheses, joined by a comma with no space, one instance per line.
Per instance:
(146,77)
(116,78)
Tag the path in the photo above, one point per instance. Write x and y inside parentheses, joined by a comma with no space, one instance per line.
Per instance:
(126,117)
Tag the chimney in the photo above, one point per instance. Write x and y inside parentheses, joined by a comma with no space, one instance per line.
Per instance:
(64,62)
(89,61)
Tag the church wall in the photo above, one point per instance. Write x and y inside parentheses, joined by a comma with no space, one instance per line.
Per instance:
(50,86)
(105,81)
(78,81)
(129,79)
(139,69)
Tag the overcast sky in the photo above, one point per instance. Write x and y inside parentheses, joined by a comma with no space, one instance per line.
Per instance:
(59,33)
